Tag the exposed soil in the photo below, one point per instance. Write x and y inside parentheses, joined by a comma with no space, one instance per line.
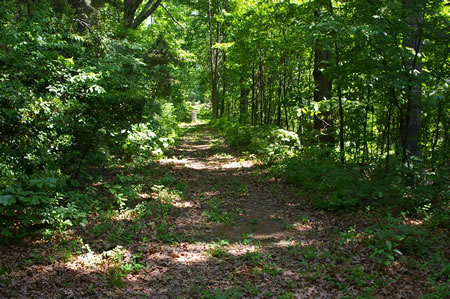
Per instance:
(240,232)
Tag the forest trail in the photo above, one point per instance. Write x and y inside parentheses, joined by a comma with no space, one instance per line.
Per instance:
(230,193)
(245,233)
(234,232)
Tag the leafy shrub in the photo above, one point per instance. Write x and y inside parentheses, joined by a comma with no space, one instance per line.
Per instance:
(337,186)
(334,185)
(142,139)
(271,144)
(69,102)
(393,239)
(183,111)
(25,203)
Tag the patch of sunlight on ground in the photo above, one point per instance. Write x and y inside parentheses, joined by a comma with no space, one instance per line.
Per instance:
(94,260)
(241,249)
(302,227)
(285,243)
(190,125)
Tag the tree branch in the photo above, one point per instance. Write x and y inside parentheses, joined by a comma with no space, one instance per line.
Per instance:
(176,22)
(149,8)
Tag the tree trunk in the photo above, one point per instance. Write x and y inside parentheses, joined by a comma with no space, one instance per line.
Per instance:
(130,8)
(254,98)
(243,102)
(322,90)
(414,93)
(341,111)
(262,93)
(280,90)
(224,92)
(213,65)
(284,92)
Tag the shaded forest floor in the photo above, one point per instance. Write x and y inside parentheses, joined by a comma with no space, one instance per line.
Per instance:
(216,225)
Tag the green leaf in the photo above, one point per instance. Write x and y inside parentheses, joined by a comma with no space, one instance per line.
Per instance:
(7,200)
(5,232)
(389,245)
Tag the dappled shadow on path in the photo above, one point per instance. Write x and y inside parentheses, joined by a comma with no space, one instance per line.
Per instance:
(237,234)
(215,174)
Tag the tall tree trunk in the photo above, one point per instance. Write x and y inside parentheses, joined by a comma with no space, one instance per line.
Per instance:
(436,132)
(366,147)
(254,98)
(285,91)
(414,93)
(341,110)
(388,129)
(322,90)
(243,101)
(213,65)
(224,92)
(262,93)
(280,85)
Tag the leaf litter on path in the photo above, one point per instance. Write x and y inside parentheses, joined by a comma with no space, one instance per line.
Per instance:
(239,234)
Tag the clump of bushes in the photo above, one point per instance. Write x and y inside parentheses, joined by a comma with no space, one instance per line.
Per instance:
(336,186)
(269,143)
(71,102)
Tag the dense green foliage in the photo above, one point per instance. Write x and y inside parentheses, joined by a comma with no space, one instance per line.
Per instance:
(72,100)
(346,100)
(269,143)
(361,83)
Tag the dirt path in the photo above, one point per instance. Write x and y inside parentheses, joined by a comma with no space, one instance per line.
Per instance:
(245,234)
(230,196)
(238,234)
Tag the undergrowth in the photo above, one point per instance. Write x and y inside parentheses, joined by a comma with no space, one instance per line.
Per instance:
(415,200)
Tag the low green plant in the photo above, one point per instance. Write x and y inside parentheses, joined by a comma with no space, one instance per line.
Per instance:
(269,143)
(290,225)
(255,258)
(437,289)
(294,249)
(218,252)
(286,295)
(218,249)
(392,239)
(334,186)
(246,238)
(65,255)
(169,238)
(272,269)
(384,253)
(357,275)
(242,190)
(215,213)
(308,252)
(133,266)
(35,258)
(115,276)
(254,221)
(3,270)
(218,216)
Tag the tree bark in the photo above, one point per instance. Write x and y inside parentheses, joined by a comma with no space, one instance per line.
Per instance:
(322,91)
(243,102)
(341,111)
(280,86)
(130,8)
(414,93)
(254,98)
(224,89)
(213,65)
